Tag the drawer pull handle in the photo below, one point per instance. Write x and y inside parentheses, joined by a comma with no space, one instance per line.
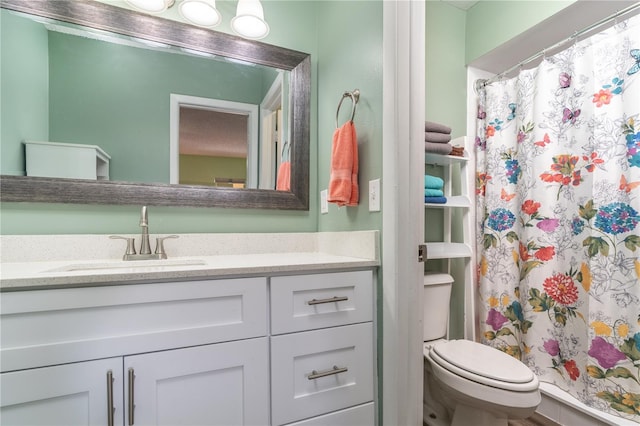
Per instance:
(132,405)
(329,300)
(110,407)
(335,370)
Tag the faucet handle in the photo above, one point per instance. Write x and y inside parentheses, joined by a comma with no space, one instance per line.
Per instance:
(131,247)
(160,246)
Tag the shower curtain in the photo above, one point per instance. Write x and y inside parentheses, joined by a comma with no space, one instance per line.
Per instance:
(558,232)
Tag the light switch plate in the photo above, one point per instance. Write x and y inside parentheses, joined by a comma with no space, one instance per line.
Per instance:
(324,204)
(374,195)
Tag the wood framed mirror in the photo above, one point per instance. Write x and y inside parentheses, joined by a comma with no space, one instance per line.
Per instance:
(123,22)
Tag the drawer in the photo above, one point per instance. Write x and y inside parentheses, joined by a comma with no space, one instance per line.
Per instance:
(304,383)
(47,327)
(307,302)
(362,415)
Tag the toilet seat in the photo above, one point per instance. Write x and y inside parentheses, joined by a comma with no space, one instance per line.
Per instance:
(484,365)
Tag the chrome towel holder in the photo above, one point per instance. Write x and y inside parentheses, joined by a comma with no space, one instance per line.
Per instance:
(355,96)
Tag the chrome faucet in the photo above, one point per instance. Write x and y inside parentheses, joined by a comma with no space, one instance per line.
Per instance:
(144,224)
(145,247)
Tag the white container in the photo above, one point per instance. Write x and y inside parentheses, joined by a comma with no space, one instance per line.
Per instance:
(436,294)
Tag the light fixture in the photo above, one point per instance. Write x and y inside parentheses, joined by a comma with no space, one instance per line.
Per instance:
(249,20)
(151,6)
(200,12)
(248,23)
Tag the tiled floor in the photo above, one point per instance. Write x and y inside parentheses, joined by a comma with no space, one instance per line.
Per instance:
(535,420)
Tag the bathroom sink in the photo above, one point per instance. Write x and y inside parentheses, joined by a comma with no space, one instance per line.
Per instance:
(146,265)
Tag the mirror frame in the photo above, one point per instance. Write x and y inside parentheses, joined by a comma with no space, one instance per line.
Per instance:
(110,18)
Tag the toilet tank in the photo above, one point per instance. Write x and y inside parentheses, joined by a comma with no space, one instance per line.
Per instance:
(436,295)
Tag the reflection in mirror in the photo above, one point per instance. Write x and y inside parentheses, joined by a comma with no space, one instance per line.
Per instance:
(116,93)
(213,148)
(213,142)
(134,100)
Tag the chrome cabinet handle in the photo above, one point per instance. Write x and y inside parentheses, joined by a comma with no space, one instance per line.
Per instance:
(329,300)
(335,370)
(110,407)
(132,405)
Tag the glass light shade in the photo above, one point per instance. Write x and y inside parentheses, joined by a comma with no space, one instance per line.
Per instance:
(200,12)
(249,20)
(151,6)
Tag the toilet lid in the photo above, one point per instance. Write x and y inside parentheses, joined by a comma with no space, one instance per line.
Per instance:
(483,361)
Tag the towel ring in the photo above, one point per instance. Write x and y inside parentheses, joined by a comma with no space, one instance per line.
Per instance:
(355,96)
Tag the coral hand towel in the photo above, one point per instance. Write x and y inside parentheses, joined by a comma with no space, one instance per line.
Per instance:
(343,179)
(284,177)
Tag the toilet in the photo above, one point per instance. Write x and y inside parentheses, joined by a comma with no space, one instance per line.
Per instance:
(465,382)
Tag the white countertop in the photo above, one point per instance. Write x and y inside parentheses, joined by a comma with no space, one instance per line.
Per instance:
(197,256)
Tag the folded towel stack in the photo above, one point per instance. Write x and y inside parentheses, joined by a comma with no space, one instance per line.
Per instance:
(433,190)
(436,140)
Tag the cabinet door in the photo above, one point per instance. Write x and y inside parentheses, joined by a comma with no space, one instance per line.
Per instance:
(220,384)
(71,394)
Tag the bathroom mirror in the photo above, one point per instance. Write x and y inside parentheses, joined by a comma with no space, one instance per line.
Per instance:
(103,17)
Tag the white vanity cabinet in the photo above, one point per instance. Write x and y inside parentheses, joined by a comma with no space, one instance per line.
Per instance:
(322,349)
(242,351)
(189,353)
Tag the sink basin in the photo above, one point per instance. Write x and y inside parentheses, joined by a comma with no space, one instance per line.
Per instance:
(154,265)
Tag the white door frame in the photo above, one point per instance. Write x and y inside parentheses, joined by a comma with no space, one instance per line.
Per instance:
(403,210)
(230,107)
(269,157)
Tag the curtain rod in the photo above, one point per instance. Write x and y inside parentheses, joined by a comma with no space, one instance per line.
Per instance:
(480,83)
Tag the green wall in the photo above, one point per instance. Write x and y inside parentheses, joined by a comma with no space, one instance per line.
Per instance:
(445,69)
(111,95)
(293,25)
(350,52)
(117,97)
(445,102)
(24,88)
(202,169)
(492,23)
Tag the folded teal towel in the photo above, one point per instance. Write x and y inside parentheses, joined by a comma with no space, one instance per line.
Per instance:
(435,200)
(433,182)
(428,192)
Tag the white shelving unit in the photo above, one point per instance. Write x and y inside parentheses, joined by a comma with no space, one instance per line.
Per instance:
(448,249)
(66,160)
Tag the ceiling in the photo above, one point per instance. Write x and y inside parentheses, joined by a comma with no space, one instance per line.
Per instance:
(461,4)
(557,28)
(212,133)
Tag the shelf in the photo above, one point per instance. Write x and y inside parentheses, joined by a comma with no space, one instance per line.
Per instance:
(447,251)
(443,160)
(461,201)
(66,160)
(449,167)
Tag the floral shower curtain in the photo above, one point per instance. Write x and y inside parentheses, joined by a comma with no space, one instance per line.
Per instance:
(558,190)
